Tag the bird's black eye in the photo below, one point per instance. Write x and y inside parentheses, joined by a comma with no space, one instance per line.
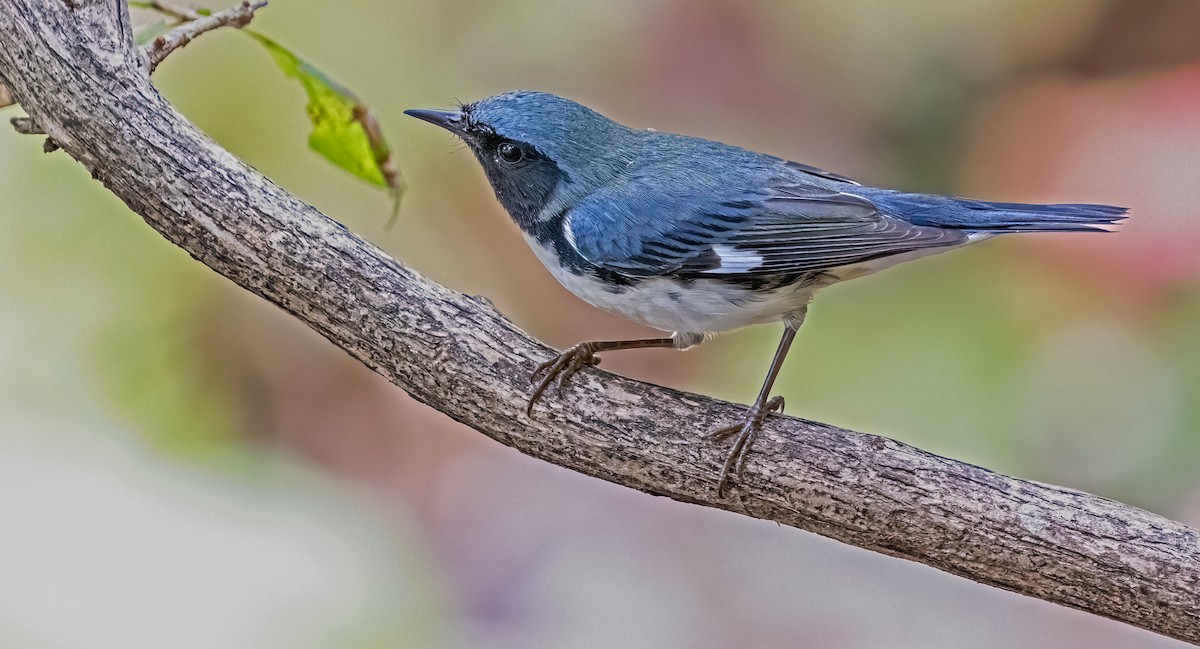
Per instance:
(510,152)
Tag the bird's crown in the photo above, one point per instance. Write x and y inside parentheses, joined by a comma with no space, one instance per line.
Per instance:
(563,130)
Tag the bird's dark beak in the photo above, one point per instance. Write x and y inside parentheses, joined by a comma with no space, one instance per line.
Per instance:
(451,120)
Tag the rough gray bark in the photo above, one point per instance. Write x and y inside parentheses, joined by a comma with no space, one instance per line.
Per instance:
(72,66)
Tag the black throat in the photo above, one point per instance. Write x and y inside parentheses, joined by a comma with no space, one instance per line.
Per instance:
(524,191)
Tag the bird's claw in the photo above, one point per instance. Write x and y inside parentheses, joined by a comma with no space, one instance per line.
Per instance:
(561,368)
(746,431)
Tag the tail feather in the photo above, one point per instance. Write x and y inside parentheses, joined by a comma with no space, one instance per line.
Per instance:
(1057,217)
(986,216)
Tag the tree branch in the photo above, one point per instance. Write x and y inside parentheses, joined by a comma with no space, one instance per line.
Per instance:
(73,67)
(160,48)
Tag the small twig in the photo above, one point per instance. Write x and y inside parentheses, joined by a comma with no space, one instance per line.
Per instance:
(26,126)
(161,47)
(178,13)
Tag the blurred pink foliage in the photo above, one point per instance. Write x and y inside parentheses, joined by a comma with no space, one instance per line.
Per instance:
(1132,140)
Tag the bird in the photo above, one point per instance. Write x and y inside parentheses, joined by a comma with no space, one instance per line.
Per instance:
(694,238)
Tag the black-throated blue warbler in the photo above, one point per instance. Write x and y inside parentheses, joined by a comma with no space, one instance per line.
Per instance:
(696,237)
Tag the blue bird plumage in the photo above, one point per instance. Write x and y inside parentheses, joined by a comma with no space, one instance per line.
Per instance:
(697,237)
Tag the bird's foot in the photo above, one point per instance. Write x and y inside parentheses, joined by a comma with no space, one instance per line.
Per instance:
(560,369)
(746,431)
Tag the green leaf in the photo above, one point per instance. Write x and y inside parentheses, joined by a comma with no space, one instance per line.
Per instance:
(344,130)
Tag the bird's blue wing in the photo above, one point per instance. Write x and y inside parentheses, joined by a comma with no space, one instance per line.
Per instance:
(632,230)
(637,228)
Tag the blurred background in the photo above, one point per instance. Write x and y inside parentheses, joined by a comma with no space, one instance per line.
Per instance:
(185,466)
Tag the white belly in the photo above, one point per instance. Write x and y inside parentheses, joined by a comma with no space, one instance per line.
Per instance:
(701,306)
(705,306)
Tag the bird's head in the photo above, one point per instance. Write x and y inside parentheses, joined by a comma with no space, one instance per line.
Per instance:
(538,150)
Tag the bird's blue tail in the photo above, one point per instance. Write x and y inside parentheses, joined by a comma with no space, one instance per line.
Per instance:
(967,214)
(1059,217)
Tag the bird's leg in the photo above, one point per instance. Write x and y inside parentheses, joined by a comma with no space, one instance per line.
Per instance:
(747,430)
(581,355)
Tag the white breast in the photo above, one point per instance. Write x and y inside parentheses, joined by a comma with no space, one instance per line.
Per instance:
(698,306)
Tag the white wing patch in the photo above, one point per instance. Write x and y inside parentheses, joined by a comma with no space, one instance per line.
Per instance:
(734,260)
(566,226)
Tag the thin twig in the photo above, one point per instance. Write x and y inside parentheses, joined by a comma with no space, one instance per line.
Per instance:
(180,14)
(197,24)
(26,126)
